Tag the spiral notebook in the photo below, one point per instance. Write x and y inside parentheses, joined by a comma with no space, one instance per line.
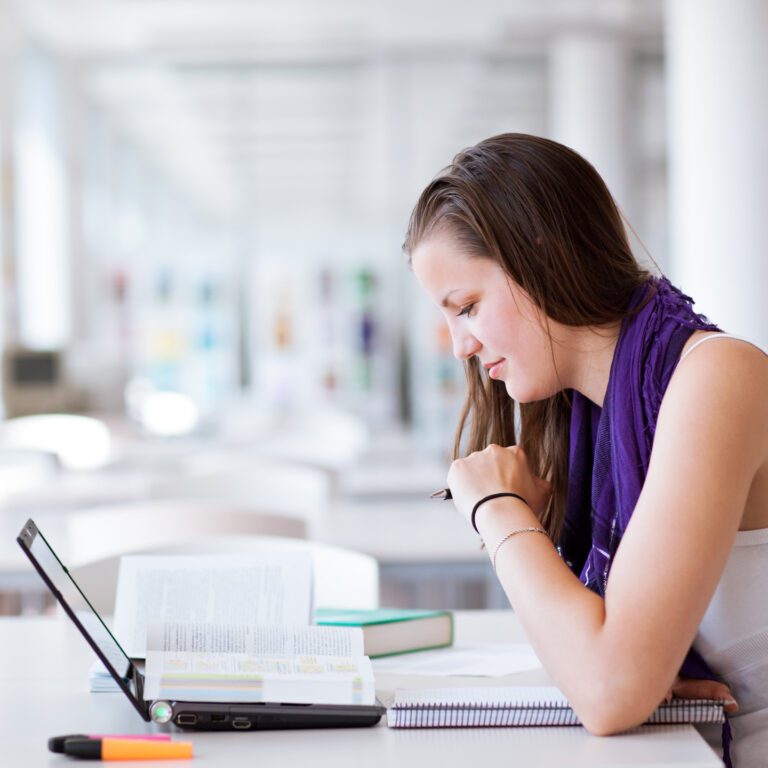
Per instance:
(519,706)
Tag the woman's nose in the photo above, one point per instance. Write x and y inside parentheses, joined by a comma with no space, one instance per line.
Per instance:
(465,345)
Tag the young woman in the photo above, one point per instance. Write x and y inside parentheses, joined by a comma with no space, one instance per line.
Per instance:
(615,442)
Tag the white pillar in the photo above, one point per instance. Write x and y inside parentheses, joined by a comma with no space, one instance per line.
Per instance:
(588,96)
(718,158)
(8,46)
(42,214)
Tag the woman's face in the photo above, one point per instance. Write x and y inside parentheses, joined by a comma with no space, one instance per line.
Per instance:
(489,316)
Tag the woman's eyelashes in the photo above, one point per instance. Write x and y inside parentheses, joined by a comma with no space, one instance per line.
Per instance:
(466,310)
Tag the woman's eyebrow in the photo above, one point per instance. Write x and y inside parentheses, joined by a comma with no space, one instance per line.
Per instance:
(446,302)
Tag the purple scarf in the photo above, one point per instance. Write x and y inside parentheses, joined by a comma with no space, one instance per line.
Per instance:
(610,447)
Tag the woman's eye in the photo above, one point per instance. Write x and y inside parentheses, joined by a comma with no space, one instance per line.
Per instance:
(466,310)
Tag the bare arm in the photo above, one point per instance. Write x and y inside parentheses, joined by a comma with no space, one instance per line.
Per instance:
(616,658)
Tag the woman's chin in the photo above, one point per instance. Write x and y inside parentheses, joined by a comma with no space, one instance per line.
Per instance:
(519,394)
(525,395)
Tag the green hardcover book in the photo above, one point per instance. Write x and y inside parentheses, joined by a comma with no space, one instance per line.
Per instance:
(387,631)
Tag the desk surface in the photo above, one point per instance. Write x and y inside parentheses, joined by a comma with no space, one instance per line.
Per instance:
(44,691)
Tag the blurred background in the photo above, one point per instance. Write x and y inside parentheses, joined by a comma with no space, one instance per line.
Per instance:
(201,215)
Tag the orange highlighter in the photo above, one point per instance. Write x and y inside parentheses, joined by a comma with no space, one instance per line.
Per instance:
(127,749)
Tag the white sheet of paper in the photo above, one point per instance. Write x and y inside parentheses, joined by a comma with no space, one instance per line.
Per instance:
(263,588)
(259,640)
(489,660)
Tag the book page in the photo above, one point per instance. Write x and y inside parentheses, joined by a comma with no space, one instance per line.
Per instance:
(256,640)
(263,588)
(246,678)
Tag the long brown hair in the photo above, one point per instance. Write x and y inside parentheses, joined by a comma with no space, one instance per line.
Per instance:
(543,213)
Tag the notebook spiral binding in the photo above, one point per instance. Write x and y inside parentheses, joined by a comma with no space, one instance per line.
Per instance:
(443,715)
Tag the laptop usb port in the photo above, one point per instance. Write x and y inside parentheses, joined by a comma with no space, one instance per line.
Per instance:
(218,718)
(241,723)
(187,719)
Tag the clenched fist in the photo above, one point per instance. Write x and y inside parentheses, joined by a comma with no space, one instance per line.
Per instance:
(496,470)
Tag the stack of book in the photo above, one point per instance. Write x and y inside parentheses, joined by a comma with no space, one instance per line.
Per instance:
(389,631)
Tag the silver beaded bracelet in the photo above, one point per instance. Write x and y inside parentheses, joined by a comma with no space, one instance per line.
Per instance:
(509,536)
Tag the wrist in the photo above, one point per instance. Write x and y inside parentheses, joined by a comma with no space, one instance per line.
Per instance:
(496,517)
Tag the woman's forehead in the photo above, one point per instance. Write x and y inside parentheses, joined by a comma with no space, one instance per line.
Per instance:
(443,253)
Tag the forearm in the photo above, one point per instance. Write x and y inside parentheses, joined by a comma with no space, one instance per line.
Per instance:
(565,621)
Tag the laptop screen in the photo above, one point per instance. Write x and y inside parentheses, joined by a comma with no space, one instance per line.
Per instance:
(75,603)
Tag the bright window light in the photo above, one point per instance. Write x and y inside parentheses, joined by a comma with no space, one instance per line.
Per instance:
(168,413)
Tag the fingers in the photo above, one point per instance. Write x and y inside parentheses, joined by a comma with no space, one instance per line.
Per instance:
(686,688)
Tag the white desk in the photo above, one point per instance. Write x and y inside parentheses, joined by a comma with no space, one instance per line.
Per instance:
(44,692)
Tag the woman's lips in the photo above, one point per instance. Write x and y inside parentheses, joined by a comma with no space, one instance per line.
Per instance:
(495,368)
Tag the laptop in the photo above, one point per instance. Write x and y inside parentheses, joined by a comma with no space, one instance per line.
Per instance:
(193,715)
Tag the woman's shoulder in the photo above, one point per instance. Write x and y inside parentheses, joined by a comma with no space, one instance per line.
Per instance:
(725,343)
(717,398)
(722,366)
(721,381)
(720,384)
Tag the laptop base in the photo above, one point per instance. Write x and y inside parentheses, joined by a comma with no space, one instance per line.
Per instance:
(271,716)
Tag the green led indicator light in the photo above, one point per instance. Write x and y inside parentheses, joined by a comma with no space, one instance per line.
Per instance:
(161,712)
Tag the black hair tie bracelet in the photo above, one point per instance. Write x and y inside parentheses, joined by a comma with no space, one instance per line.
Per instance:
(488,498)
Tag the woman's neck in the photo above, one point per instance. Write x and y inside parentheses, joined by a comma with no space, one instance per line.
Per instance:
(586,357)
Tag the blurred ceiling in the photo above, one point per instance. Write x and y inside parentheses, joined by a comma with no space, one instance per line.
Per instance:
(270,105)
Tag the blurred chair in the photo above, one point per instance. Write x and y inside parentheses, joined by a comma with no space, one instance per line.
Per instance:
(231,478)
(79,442)
(25,469)
(103,531)
(99,535)
(342,578)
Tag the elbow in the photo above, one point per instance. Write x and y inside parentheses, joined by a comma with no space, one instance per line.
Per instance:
(609,711)
(606,722)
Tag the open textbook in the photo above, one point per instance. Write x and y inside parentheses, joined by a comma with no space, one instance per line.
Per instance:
(264,589)
(236,629)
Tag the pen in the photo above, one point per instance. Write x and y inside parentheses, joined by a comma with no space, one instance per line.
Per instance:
(127,749)
(56,743)
(445,495)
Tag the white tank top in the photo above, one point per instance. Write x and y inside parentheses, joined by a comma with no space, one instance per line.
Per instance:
(733,638)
